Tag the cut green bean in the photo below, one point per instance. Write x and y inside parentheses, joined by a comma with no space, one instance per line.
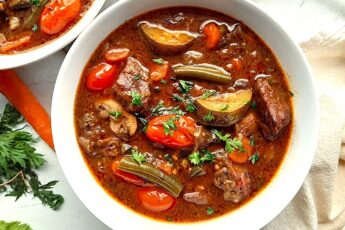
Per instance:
(149,172)
(33,17)
(202,72)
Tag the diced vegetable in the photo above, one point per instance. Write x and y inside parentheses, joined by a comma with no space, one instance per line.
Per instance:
(58,14)
(206,72)
(129,177)
(227,109)
(20,96)
(10,45)
(242,155)
(212,33)
(35,14)
(155,200)
(172,130)
(159,71)
(151,173)
(164,41)
(116,55)
(101,77)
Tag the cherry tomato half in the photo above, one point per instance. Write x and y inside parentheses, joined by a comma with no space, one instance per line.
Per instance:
(155,199)
(57,14)
(182,136)
(101,77)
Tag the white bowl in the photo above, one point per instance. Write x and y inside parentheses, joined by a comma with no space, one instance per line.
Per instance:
(267,204)
(9,61)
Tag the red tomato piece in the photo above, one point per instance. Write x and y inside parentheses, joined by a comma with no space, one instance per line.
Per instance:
(57,14)
(155,200)
(129,177)
(182,136)
(116,55)
(101,77)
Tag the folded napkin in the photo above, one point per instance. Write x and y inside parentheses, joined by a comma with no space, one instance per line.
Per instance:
(320,203)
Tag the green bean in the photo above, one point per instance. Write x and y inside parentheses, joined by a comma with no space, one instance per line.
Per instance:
(202,72)
(33,17)
(151,173)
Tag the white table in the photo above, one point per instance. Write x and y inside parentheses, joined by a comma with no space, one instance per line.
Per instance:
(301,18)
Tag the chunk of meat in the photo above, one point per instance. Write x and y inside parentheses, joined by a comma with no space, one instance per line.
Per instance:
(275,112)
(203,138)
(133,78)
(198,198)
(234,181)
(19,4)
(248,125)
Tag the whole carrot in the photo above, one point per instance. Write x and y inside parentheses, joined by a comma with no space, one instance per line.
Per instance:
(20,96)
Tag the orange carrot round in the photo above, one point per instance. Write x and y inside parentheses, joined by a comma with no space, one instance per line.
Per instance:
(212,34)
(239,156)
(159,71)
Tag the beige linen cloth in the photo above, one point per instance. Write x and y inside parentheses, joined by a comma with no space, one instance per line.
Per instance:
(320,203)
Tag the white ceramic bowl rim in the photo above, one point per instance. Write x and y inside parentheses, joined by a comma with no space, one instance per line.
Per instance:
(267,204)
(29,56)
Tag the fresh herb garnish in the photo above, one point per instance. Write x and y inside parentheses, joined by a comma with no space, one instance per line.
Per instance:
(208,93)
(137,156)
(160,109)
(116,115)
(36,2)
(224,107)
(209,211)
(137,77)
(190,107)
(168,158)
(230,144)
(254,158)
(144,123)
(253,104)
(162,81)
(35,28)
(19,159)
(170,125)
(136,98)
(15,225)
(252,140)
(158,61)
(196,158)
(177,97)
(208,117)
(185,86)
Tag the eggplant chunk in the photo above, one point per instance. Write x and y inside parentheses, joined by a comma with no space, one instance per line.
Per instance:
(166,42)
(224,109)
(275,111)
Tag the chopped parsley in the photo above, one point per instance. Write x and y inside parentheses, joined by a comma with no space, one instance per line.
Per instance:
(168,158)
(252,140)
(170,125)
(185,86)
(196,158)
(15,225)
(190,107)
(208,93)
(137,77)
(253,104)
(209,211)
(35,28)
(208,117)
(36,2)
(144,123)
(224,107)
(136,98)
(177,97)
(115,115)
(230,144)
(158,61)
(137,156)
(254,158)
(162,81)
(160,109)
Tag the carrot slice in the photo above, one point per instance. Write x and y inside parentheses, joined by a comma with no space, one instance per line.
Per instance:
(10,45)
(212,34)
(20,96)
(159,71)
(240,157)
(116,55)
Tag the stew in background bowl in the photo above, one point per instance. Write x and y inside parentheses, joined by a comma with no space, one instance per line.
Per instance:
(274,197)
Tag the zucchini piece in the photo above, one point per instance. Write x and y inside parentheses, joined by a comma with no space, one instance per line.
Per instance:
(206,72)
(164,41)
(151,173)
(224,109)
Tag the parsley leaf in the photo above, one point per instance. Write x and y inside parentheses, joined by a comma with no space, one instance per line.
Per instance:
(208,93)
(224,107)
(137,156)
(137,77)
(208,117)
(252,140)
(190,107)
(177,97)
(158,61)
(209,211)
(196,158)
(36,2)
(170,125)
(230,144)
(35,28)
(185,86)
(208,156)
(162,81)
(254,158)
(115,115)
(253,104)
(160,109)
(136,98)
(15,225)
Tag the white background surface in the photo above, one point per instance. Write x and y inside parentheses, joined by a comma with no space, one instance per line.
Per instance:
(301,18)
